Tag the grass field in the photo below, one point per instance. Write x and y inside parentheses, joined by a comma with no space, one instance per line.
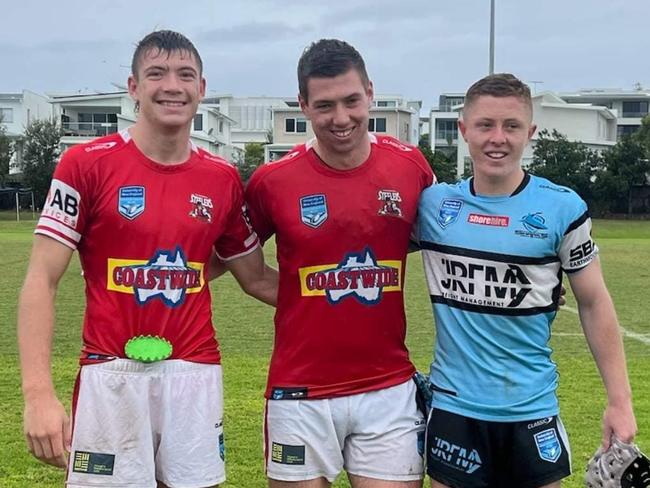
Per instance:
(246,331)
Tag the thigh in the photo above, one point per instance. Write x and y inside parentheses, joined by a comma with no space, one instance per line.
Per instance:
(363,482)
(301,442)
(189,415)
(386,440)
(111,442)
(540,453)
(459,450)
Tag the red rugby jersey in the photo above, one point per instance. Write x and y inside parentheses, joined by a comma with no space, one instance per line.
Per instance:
(342,239)
(145,232)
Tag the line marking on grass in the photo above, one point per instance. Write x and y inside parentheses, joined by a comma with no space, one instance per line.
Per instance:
(644,338)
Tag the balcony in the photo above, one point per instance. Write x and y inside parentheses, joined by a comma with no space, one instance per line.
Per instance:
(88,129)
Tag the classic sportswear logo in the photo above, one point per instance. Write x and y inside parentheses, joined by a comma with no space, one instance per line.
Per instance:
(166,276)
(358,275)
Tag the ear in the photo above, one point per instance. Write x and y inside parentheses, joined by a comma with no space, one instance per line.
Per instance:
(202,88)
(370,93)
(132,84)
(303,106)
(531,131)
(462,127)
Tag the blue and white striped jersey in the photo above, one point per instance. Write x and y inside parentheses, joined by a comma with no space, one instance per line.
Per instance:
(494,269)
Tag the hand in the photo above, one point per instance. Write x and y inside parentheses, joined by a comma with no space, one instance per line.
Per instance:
(619,421)
(47,430)
(562,300)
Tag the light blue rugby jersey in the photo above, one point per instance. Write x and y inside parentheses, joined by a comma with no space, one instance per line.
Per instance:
(494,269)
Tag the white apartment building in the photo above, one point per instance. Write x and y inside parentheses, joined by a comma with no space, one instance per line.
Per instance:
(88,116)
(390,115)
(17,111)
(595,126)
(630,106)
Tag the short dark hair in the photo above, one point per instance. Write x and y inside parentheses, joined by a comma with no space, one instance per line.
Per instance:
(499,85)
(328,58)
(164,41)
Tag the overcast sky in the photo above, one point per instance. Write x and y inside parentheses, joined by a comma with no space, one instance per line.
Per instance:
(416,48)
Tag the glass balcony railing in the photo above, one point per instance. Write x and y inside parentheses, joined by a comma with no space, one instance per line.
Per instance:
(634,115)
(88,129)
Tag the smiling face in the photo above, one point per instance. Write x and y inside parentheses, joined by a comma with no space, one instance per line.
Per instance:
(168,87)
(497,129)
(338,108)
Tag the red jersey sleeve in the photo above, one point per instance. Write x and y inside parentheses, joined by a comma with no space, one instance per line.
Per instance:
(65,211)
(239,238)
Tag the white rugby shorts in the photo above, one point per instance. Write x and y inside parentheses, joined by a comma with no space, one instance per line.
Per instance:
(135,423)
(377,434)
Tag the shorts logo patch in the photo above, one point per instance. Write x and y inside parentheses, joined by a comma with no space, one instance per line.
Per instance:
(299,393)
(131,201)
(93,463)
(448,212)
(286,454)
(222,447)
(421,436)
(313,210)
(548,445)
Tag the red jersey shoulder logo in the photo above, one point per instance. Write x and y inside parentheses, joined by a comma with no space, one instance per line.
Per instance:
(391,203)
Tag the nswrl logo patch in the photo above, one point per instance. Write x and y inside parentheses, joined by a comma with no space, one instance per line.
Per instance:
(548,445)
(93,463)
(131,201)
(448,212)
(313,210)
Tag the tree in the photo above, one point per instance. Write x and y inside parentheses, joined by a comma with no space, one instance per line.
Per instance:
(626,165)
(443,167)
(6,152)
(40,154)
(568,163)
(253,157)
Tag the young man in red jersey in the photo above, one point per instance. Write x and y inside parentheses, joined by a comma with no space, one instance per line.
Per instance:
(340,390)
(145,208)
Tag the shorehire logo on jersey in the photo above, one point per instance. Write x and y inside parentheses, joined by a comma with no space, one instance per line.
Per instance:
(167,276)
(358,275)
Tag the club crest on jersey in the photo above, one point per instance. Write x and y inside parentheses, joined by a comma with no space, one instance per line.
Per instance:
(313,210)
(534,225)
(449,211)
(131,201)
(548,445)
(391,201)
(167,276)
(201,207)
(358,275)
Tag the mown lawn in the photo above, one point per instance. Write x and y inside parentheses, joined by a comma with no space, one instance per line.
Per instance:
(245,329)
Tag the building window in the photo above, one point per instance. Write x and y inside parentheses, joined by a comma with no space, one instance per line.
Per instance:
(635,109)
(385,103)
(626,130)
(377,124)
(7,115)
(221,127)
(297,125)
(198,122)
(446,130)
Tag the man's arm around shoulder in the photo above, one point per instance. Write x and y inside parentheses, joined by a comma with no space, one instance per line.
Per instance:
(600,325)
(46,424)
